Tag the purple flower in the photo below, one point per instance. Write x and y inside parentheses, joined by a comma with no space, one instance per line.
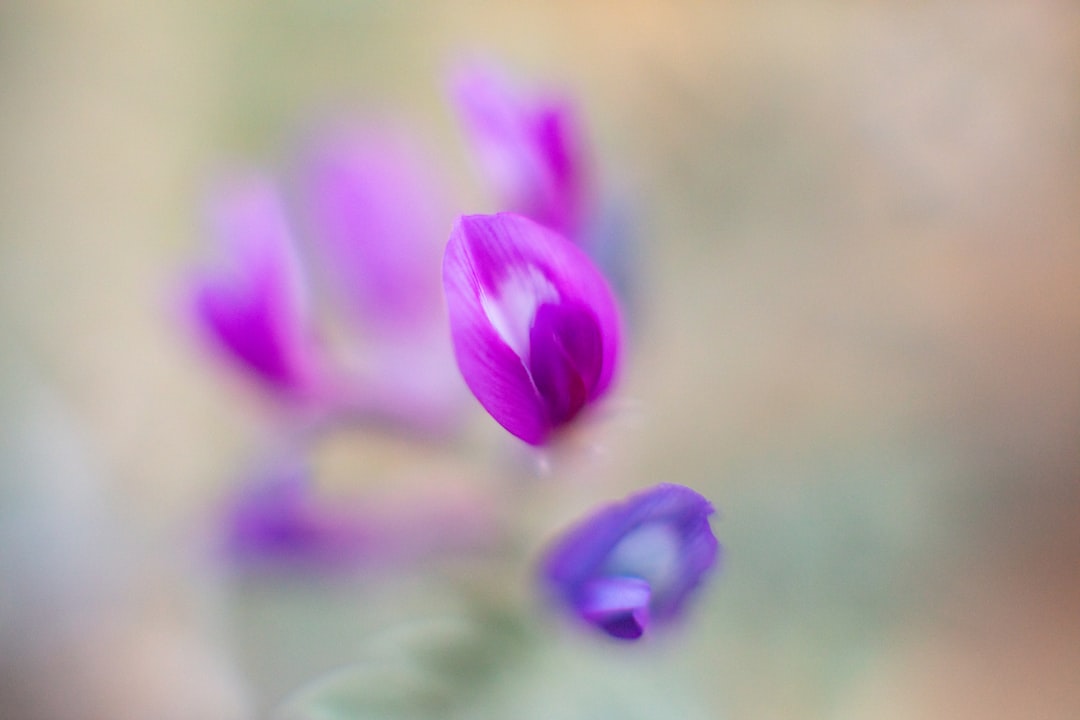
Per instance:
(279,519)
(634,563)
(376,214)
(530,148)
(251,305)
(371,208)
(534,324)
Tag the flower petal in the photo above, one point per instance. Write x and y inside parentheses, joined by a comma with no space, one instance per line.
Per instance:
(251,305)
(375,215)
(375,211)
(566,356)
(529,148)
(619,605)
(660,537)
(535,326)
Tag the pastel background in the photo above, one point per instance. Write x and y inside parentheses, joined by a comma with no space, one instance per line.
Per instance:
(856,329)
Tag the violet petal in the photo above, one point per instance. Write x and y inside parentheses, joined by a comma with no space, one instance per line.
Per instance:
(277,519)
(660,537)
(619,605)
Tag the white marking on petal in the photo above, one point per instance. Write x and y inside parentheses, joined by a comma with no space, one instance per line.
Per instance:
(513,308)
(651,552)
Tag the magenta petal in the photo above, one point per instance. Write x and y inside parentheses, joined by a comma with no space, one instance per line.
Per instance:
(534,324)
(657,543)
(565,358)
(491,369)
(252,304)
(529,148)
(375,213)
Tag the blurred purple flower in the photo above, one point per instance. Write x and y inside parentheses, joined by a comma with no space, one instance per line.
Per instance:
(276,518)
(279,519)
(529,147)
(252,305)
(634,563)
(373,213)
(535,327)
(376,214)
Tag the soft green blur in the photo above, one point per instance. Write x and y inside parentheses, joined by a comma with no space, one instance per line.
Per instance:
(857,332)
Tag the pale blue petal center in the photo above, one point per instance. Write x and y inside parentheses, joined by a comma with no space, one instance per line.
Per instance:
(650,552)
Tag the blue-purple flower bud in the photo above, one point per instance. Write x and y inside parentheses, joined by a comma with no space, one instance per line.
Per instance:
(633,563)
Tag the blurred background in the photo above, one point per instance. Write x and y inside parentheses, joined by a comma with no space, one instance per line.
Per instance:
(857,331)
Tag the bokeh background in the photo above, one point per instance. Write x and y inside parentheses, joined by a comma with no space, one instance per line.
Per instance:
(857,330)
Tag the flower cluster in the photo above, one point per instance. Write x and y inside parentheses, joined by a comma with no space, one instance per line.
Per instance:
(533,324)
(369,207)
(371,210)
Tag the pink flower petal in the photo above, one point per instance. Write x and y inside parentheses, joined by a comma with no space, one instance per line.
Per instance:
(529,148)
(251,305)
(566,357)
(376,215)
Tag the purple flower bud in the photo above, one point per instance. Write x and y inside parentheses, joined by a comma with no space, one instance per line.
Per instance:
(530,148)
(251,306)
(535,327)
(633,563)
